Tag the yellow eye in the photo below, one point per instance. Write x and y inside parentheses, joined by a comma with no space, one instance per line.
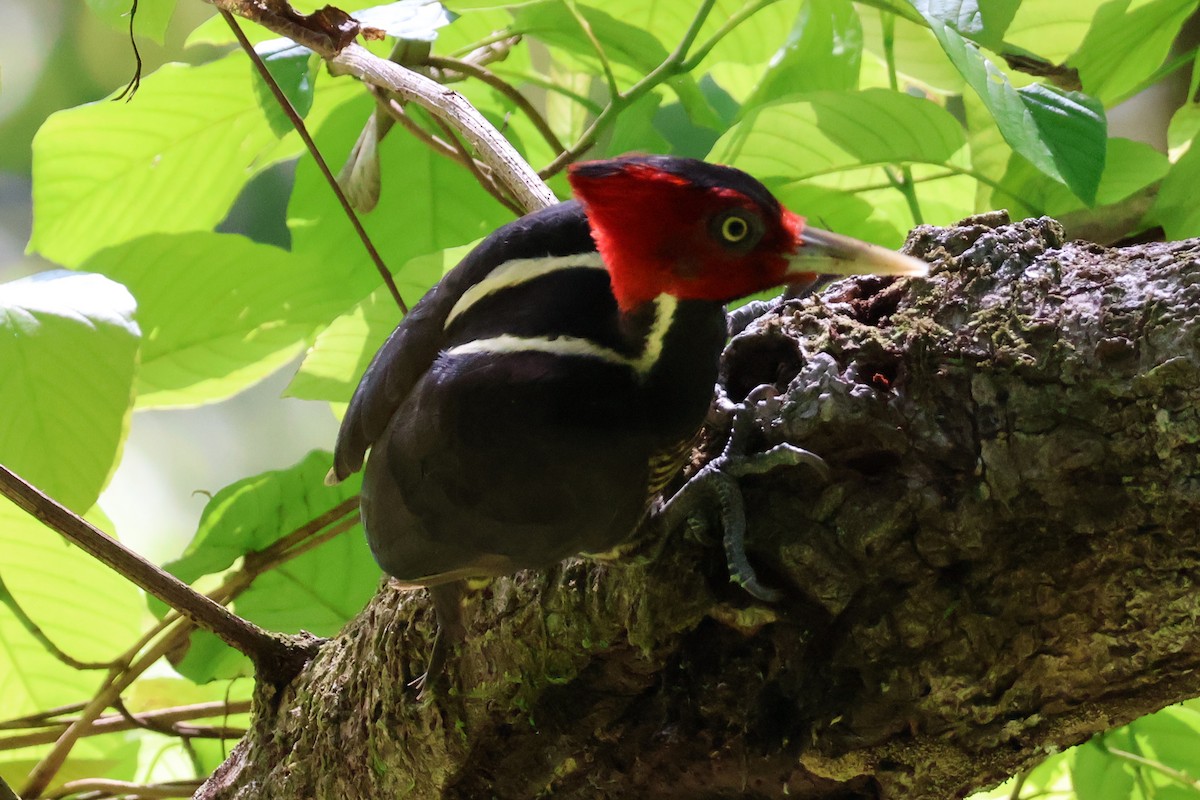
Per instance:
(734,229)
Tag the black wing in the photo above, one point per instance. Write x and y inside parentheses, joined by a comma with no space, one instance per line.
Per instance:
(408,353)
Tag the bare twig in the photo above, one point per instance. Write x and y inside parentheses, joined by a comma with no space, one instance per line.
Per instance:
(469,161)
(230,628)
(163,720)
(505,88)
(35,630)
(100,789)
(510,169)
(41,775)
(494,150)
(672,65)
(302,130)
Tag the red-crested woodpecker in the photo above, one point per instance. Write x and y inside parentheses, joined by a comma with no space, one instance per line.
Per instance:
(535,403)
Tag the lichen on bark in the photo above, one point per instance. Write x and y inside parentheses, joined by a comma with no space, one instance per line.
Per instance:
(1003,562)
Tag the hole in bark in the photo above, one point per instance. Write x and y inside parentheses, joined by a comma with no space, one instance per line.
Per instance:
(875,309)
(755,361)
(873,465)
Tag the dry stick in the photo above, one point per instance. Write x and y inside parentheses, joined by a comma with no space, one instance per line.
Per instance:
(505,88)
(41,775)
(493,149)
(302,129)
(674,63)
(114,723)
(238,633)
(396,111)
(469,161)
(101,788)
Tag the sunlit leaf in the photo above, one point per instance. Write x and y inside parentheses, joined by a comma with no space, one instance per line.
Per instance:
(150,21)
(173,161)
(69,347)
(1060,133)
(1125,45)
(823,132)
(219,312)
(823,51)
(58,587)
(317,591)
(1175,208)
(334,364)
(1096,775)
(428,203)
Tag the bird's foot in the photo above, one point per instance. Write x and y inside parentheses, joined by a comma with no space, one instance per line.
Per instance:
(447,606)
(717,482)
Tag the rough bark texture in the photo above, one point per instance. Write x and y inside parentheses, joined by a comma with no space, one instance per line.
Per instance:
(1004,562)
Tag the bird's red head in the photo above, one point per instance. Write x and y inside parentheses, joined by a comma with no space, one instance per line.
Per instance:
(699,231)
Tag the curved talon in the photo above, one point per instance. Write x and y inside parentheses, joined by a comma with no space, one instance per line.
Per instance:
(447,606)
(718,478)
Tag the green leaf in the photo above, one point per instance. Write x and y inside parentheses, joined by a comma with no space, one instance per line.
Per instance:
(1170,736)
(428,203)
(219,312)
(172,161)
(57,585)
(1052,30)
(1129,167)
(1096,775)
(623,43)
(1061,133)
(317,591)
(823,51)
(69,347)
(634,130)
(984,23)
(150,22)
(1175,208)
(294,69)
(1125,46)
(820,133)
(338,358)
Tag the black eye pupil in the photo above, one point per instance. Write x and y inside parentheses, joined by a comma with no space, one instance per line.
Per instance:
(735,228)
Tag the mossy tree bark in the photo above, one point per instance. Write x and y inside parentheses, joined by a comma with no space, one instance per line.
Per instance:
(1003,562)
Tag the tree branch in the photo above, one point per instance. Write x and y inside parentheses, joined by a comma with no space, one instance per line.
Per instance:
(1002,563)
(490,146)
(274,655)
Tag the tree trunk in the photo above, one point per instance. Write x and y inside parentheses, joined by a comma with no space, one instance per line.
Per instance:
(1003,562)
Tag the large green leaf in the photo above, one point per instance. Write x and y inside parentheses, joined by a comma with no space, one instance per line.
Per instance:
(1125,45)
(821,133)
(339,356)
(84,608)
(151,19)
(624,44)
(172,160)
(1129,167)
(219,311)
(823,51)
(1170,736)
(1061,133)
(69,347)
(428,203)
(316,592)
(1175,208)
(1096,775)
(1051,28)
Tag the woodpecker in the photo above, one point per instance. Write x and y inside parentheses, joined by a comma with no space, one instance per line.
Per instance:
(536,402)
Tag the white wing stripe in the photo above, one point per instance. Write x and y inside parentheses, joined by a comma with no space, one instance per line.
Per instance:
(664,314)
(516,272)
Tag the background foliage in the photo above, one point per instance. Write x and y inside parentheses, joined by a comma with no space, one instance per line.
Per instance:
(870,117)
